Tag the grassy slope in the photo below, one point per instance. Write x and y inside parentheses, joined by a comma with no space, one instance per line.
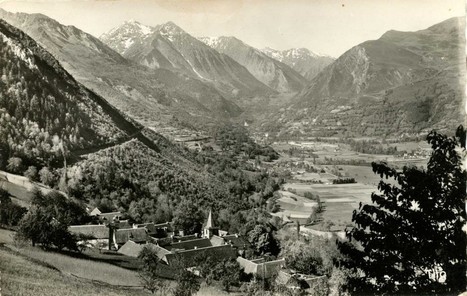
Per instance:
(31,271)
(21,276)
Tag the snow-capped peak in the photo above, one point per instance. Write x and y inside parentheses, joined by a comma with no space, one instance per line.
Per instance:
(293,53)
(129,28)
(170,30)
(210,41)
(125,35)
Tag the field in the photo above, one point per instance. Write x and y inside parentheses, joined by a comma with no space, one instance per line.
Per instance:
(339,152)
(21,276)
(339,200)
(20,188)
(294,207)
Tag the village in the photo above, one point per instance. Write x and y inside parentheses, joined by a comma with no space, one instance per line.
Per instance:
(111,234)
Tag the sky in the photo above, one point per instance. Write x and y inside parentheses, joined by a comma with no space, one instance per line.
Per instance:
(325,26)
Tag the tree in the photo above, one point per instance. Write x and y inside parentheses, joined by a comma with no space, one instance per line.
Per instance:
(310,256)
(227,271)
(412,232)
(15,165)
(40,227)
(31,173)
(188,283)
(262,238)
(149,271)
(46,176)
(10,213)
(48,219)
(188,217)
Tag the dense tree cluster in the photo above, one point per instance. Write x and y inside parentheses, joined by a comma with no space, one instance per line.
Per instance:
(373,147)
(48,218)
(236,139)
(344,181)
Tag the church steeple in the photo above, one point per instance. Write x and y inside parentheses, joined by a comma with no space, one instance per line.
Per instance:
(209,222)
(209,228)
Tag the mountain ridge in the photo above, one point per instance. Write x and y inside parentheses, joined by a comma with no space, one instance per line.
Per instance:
(401,83)
(271,72)
(170,47)
(159,99)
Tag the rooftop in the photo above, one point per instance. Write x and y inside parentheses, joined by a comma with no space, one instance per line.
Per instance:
(138,235)
(188,257)
(190,244)
(130,248)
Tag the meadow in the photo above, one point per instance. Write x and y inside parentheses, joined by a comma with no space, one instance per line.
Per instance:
(21,276)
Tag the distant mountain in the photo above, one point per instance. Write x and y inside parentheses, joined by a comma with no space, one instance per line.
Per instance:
(169,47)
(404,82)
(271,72)
(158,98)
(302,60)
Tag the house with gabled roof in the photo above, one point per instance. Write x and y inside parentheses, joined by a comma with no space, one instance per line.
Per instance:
(261,268)
(240,243)
(161,252)
(109,217)
(137,235)
(188,258)
(131,249)
(95,212)
(160,230)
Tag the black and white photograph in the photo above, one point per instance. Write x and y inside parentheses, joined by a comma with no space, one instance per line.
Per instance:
(233,147)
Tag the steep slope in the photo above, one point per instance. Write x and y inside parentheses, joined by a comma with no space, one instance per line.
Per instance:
(157,98)
(404,82)
(45,113)
(169,47)
(43,108)
(302,60)
(274,74)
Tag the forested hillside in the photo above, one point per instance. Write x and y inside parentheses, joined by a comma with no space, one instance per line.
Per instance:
(42,108)
(114,163)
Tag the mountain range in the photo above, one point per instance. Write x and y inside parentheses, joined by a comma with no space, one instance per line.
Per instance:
(271,72)
(401,83)
(169,47)
(166,79)
(157,98)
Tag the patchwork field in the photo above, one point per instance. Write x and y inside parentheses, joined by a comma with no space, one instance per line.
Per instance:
(339,200)
(294,207)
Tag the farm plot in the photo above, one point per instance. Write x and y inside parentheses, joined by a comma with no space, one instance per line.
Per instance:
(339,199)
(294,207)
